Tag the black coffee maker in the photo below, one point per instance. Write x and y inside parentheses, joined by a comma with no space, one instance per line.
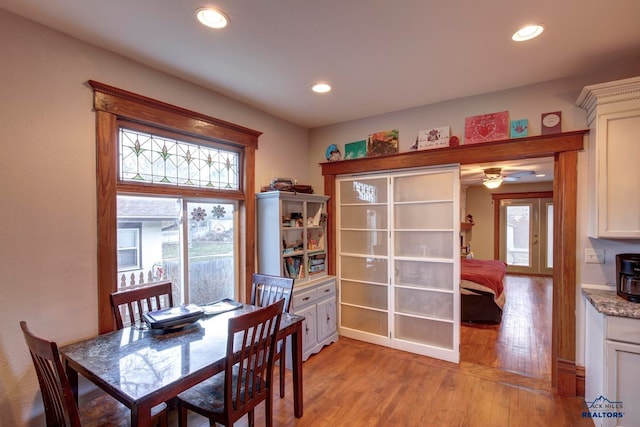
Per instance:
(628,276)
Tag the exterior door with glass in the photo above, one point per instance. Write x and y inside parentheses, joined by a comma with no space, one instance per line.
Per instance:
(526,231)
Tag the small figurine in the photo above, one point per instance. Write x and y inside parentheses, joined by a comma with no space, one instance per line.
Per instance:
(470,219)
(333,153)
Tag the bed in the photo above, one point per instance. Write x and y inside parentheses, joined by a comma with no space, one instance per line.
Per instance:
(482,290)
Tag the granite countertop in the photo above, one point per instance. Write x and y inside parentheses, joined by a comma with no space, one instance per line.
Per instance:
(609,303)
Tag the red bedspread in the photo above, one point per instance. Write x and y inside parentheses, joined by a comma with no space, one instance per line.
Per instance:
(487,272)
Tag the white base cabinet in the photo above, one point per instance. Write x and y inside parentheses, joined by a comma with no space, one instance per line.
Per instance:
(612,364)
(316,301)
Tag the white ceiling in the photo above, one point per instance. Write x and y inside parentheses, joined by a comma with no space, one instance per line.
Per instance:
(380,56)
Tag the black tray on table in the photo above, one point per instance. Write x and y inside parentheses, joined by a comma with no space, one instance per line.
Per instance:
(173,317)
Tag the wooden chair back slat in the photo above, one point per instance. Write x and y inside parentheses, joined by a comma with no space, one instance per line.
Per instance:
(131,304)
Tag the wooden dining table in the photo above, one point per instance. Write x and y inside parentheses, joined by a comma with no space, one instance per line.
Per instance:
(143,368)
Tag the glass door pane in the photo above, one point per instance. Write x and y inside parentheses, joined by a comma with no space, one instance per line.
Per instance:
(518,232)
(425,297)
(363,258)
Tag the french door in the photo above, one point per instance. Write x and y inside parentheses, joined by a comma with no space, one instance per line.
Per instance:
(399,260)
(526,235)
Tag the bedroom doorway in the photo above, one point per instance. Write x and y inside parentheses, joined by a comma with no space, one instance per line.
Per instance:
(526,235)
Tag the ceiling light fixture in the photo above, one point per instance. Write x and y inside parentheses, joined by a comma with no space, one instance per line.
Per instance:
(321,88)
(527,33)
(492,183)
(212,18)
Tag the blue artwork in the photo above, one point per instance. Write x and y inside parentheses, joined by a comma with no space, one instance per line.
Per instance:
(519,128)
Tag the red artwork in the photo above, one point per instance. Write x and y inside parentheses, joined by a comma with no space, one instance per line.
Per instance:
(486,127)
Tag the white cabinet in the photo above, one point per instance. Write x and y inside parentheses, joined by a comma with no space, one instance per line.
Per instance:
(612,365)
(613,114)
(292,235)
(399,260)
(316,301)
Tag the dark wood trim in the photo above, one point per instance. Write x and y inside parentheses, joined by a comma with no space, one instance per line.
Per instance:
(580,381)
(523,148)
(563,340)
(113,105)
(129,105)
(106,163)
(496,198)
(563,148)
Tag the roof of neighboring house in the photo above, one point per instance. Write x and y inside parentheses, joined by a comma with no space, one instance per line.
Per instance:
(147,208)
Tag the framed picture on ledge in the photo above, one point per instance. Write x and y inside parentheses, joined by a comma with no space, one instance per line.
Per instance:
(381,143)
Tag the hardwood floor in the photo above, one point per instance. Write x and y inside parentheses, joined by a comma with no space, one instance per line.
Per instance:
(521,343)
(352,383)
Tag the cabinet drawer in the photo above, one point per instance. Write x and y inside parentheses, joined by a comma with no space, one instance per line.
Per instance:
(304,298)
(326,290)
(623,329)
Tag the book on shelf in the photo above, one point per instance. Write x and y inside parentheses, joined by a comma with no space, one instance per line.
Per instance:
(294,267)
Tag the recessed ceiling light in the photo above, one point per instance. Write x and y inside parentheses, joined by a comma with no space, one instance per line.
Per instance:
(527,33)
(540,175)
(212,17)
(321,88)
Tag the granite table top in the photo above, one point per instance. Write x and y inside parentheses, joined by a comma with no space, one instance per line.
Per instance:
(609,303)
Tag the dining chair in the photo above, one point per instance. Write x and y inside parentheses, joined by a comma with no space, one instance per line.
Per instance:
(248,372)
(131,304)
(265,290)
(59,402)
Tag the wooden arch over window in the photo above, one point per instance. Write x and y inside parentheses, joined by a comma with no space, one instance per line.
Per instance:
(564,149)
(113,105)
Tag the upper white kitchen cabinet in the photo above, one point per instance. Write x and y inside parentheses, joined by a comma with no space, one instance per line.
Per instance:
(613,115)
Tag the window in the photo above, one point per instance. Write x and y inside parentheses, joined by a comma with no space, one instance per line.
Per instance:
(129,246)
(188,180)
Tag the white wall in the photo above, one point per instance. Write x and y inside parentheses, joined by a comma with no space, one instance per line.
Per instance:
(48,266)
(525,102)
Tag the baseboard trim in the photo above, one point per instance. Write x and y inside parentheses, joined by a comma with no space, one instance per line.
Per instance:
(567,382)
(580,381)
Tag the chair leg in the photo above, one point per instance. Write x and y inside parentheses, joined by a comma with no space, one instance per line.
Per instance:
(182,416)
(251,418)
(283,356)
(268,408)
(163,420)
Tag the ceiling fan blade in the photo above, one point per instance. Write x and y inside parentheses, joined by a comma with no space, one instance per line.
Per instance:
(520,174)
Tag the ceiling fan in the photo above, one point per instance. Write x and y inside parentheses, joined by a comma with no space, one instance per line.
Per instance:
(493,177)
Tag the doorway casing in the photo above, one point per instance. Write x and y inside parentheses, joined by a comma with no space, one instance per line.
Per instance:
(563,147)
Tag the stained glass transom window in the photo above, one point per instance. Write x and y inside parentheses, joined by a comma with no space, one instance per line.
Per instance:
(147,158)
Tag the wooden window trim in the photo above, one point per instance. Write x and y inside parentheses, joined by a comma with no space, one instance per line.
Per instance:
(113,105)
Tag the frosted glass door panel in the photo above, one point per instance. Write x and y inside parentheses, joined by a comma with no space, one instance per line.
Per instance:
(424,331)
(363,216)
(364,242)
(424,303)
(428,275)
(364,269)
(364,294)
(424,215)
(371,321)
(363,191)
(435,186)
(424,244)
